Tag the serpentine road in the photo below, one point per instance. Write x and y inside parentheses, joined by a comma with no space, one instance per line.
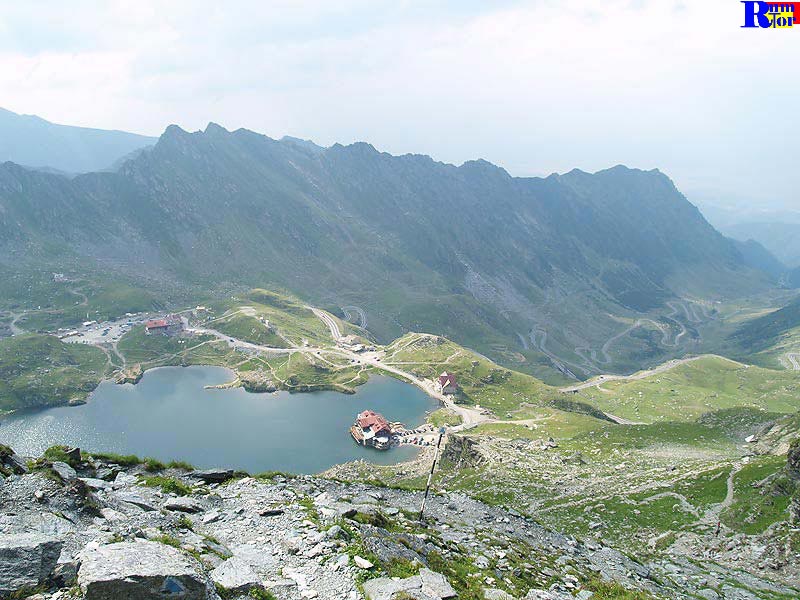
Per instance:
(794,359)
(333,326)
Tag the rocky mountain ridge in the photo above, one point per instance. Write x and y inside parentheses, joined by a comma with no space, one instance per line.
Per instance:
(523,269)
(97,529)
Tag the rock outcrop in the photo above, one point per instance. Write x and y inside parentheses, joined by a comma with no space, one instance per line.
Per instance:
(297,538)
(27,560)
(213,475)
(793,470)
(11,463)
(463,452)
(142,570)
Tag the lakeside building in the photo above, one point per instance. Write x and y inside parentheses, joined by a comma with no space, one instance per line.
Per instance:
(446,383)
(372,429)
(169,325)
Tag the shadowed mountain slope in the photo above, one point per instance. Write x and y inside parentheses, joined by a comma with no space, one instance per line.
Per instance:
(469,252)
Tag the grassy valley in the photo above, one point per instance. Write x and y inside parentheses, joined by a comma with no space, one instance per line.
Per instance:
(649,463)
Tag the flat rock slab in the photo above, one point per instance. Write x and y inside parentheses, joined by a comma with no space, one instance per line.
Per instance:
(136,500)
(385,588)
(236,576)
(142,570)
(212,475)
(428,585)
(96,484)
(184,504)
(64,471)
(436,585)
(26,560)
(492,594)
(547,595)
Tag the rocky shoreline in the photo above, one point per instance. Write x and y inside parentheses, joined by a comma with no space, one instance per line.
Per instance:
(103,527)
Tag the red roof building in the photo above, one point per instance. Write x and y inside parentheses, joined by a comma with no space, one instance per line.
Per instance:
(447,383)
(169,325)
(372,429)
(372,421)
(156,324)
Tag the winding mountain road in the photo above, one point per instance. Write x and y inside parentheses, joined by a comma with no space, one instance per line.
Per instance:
(794,360)
(601,379)
(362,316)
(470,417)
(329,321)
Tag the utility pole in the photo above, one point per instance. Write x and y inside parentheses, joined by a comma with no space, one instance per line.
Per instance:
(430,475)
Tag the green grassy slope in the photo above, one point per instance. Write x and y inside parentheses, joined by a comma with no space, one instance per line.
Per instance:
(37,371)
(768,338)
(481,382)
(638,486)
(467,252)
(690,390)
(250,329)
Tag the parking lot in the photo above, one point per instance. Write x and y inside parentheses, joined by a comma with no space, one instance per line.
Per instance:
(106,332)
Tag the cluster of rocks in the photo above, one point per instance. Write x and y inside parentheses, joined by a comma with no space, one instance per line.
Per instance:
(11,463)
(99,531)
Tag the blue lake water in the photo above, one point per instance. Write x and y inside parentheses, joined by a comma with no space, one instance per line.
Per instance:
(169,415)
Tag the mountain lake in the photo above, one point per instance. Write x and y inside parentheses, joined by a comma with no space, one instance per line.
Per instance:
(169,415)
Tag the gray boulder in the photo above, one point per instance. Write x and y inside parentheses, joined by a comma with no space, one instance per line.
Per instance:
(15,462)
(142,570)
(385,588)
(236,576)
(434,584)
(212,475)
(65,472)
(547,595)
(26,560)
(428,585)
(136,499)
(493,594)
(184,504)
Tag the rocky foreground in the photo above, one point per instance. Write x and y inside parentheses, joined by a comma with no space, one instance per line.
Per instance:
(87,527)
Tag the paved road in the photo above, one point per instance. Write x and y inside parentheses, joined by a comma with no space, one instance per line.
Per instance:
(601,379)
(237,344)
(16,329)
(469,416)
(362,316)
(794,359)
(328,319)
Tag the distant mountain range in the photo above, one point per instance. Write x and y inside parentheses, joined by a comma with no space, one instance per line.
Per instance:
(758,257)
(794,278)
(31,141)
(520,268)
(781,238)
(777,229)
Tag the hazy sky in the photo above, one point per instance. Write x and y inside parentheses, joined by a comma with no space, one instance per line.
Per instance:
(535,87)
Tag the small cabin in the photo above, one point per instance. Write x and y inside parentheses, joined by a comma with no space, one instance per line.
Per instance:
(446,384)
